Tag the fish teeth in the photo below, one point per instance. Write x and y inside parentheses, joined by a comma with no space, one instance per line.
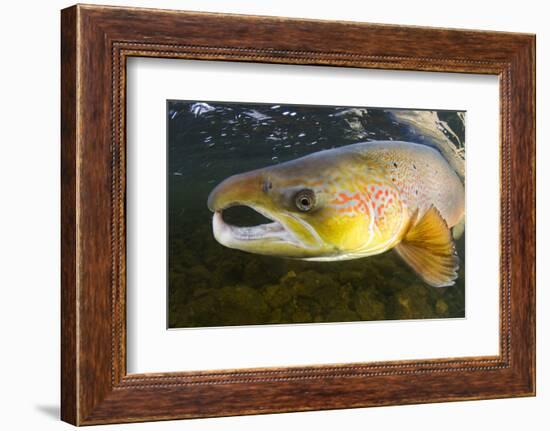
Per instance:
(230,235)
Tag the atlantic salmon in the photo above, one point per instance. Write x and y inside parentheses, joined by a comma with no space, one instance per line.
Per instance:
(351,202)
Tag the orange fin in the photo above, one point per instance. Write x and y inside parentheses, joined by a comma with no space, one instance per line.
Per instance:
(428,248)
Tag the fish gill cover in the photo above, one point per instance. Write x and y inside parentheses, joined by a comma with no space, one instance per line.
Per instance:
(211,285)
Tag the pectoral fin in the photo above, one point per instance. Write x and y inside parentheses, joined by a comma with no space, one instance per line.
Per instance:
(428,248)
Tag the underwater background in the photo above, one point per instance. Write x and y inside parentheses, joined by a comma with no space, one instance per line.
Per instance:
(211,285)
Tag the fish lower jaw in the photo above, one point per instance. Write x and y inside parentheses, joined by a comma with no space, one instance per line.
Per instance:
(233,236)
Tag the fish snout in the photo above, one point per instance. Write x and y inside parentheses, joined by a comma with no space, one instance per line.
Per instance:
(241,189)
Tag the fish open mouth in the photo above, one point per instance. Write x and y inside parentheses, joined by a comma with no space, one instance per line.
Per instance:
(244,216)
(230,234)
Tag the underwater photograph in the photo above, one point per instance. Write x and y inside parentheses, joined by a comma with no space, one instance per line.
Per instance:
(296,214)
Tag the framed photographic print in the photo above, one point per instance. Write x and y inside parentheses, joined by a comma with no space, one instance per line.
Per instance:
(268,218)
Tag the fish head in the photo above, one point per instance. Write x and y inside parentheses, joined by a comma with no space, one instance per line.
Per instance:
(303,200)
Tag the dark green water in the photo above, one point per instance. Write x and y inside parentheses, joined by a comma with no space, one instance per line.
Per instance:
(211,285)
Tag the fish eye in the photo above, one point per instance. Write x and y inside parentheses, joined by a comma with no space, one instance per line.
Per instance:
(305,200)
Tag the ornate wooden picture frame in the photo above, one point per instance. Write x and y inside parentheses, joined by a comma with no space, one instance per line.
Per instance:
(96,41)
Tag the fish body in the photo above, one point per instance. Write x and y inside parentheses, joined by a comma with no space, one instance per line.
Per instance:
(351,202)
